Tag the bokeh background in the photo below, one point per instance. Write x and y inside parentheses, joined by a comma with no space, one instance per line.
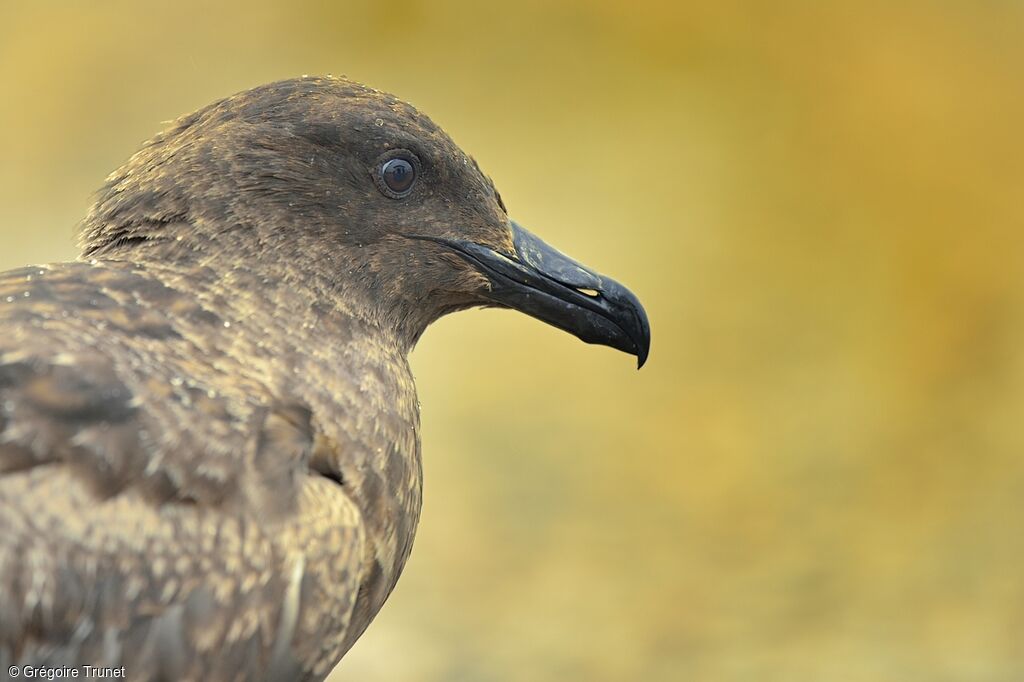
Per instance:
(820,473)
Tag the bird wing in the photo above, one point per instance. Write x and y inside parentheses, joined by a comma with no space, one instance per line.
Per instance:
(152,519)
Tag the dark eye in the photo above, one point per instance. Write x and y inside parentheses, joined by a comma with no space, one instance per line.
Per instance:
(397,176)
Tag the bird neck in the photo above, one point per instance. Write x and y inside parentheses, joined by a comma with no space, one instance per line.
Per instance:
(352,288)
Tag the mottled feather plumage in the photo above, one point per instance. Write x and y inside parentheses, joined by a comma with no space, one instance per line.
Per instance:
(133,449)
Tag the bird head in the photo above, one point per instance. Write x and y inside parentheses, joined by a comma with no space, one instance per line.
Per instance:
(335,185)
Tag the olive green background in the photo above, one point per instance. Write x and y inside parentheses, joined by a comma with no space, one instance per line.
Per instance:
(820,473)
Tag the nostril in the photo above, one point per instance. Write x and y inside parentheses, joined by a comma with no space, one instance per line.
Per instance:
(592,293)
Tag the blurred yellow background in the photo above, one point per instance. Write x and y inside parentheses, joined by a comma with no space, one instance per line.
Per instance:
(820,473)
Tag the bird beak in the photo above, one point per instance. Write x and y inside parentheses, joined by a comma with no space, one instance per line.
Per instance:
(545,283)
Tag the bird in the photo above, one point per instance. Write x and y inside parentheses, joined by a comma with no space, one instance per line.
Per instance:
(210,461)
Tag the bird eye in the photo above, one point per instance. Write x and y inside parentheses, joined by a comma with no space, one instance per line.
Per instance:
(396,177)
